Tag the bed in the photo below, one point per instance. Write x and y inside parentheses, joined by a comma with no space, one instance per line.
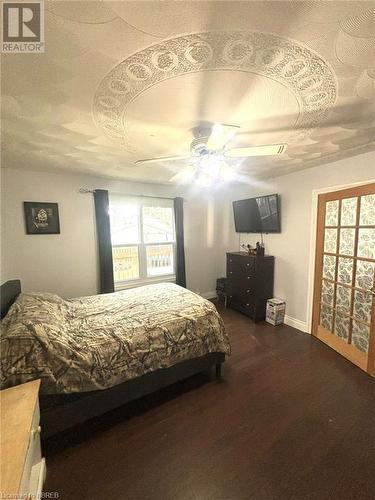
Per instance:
(96,353)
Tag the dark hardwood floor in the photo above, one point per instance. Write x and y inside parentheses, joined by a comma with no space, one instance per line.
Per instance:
(290,420)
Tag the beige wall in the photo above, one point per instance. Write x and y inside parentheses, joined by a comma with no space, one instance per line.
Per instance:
(292,248)
(67,263)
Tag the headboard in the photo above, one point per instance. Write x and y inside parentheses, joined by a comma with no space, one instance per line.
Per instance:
(9,291)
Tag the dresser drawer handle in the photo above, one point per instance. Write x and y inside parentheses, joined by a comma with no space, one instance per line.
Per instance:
(247,291)
(248,265)
(247,305)
(230,260)
(36,431)
(249,277)
(230,272)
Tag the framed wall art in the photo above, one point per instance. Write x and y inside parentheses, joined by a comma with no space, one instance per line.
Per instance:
(41,218)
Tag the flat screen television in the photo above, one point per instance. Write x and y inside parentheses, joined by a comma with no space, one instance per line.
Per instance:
(257,215)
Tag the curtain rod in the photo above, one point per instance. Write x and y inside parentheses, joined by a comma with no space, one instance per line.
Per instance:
(85,190)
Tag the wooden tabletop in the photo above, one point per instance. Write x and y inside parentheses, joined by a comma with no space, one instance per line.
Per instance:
(17,406)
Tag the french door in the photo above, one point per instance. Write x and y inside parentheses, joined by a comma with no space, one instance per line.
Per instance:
(344,292)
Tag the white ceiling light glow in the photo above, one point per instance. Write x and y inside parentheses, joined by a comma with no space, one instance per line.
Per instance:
(210,170)
(209,153)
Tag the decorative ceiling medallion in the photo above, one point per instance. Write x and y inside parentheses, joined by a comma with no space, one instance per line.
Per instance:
(238,50)
(165,60)
(287,61)
(199,53)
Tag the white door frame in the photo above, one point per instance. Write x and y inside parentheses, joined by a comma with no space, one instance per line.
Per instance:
(314,215)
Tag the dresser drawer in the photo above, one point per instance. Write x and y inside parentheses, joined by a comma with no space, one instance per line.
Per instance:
(245,295)
(37,478)
(240,289)
(246,300)
(240,284)
(240,272)
(33,455)
(240,264)
(247,308)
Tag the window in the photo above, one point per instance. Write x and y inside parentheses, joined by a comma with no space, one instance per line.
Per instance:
(143,239)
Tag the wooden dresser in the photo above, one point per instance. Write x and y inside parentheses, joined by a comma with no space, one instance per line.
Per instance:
(249,283)
(22,466)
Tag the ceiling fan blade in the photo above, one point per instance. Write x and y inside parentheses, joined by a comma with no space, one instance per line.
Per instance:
(268,150)
(221,134)
(185,175)
(161,158)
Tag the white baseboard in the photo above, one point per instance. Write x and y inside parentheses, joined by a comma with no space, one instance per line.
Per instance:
(288,320)
(208,295)
(296,323)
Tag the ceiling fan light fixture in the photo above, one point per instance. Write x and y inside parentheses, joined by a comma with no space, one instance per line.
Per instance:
(213,170)
(221,134)
(204,179)
(208,157)
(211,162)
(227,173)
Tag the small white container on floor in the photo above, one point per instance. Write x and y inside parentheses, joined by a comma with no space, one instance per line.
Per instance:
(275,311)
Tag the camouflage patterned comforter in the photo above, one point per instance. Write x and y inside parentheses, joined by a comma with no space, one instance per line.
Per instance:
(96,342)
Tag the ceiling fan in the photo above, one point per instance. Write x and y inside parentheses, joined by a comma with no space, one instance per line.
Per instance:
(209,154)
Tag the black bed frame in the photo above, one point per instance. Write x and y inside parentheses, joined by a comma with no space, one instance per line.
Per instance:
(60,412)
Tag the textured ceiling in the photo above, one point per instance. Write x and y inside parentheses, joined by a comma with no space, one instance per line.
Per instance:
(121,81)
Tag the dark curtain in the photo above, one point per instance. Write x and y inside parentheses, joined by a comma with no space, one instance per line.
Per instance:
(178,204)
(103,230)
